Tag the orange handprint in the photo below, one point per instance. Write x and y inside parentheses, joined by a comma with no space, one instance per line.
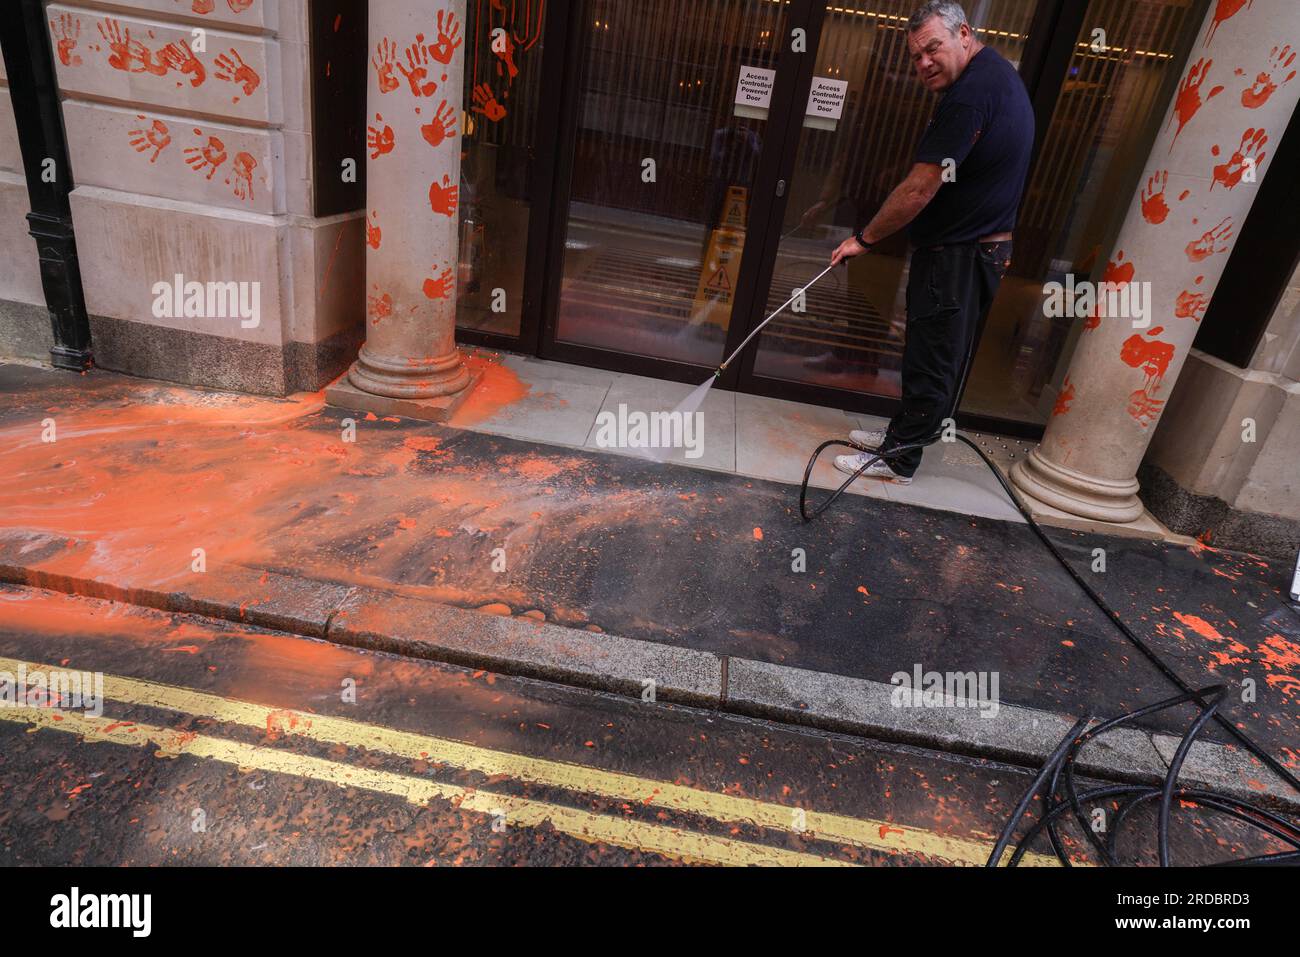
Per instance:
(1189,95)
(485,102)
(242,170)
(1204,247)
(417,56)
(379,141)
(1118,274)
(1257,94)
(1150,355)
(203,7)
(1064,398)
(373,233)
(1225,11)
(1232,172)
(442,126)
(155,138)
(1143,408)
(181,58)
(66,30)
(124,50)
(383,61)
(448,38)
(239,6)
(1191,305)
(233,69)
(147,64)
(379,307)
(443,199)
(1154,207)
(210,156)
(440,287)
(507,57)
(119,43)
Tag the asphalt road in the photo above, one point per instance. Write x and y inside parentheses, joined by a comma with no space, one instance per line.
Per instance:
(224,744)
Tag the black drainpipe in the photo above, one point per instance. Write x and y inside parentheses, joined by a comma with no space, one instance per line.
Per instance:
(29,63)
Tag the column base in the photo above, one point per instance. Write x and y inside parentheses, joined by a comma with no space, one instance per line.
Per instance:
(440,408)
(1076,493)
(404,378)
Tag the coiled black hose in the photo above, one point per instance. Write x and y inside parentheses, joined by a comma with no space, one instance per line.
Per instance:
(1062,760)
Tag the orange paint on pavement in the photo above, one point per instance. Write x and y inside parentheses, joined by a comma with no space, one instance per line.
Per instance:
(499,387)
(1200,626)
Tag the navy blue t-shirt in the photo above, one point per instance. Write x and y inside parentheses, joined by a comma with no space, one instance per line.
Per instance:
(984,123)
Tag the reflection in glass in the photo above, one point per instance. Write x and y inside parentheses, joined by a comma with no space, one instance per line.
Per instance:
(664,164)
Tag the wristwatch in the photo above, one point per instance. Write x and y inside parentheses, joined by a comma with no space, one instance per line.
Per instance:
(861,241)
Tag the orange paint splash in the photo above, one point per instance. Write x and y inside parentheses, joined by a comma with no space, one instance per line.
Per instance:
(1226,10)
(1154,207)
(498,388)
(1064,398)
(1200,626)
(1249,155)
(1189,102)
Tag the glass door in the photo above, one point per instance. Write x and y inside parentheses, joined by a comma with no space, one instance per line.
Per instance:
(673,156)
(865,114)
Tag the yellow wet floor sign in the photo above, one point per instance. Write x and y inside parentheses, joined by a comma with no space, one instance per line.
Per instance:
(715,291)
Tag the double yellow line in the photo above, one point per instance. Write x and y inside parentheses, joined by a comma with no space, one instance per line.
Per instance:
(638,835)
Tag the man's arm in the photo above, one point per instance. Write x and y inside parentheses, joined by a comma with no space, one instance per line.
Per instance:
(904,204)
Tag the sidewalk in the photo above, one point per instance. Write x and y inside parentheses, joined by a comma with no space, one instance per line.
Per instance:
(614,572)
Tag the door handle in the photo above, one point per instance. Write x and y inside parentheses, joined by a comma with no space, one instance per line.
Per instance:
(780,187)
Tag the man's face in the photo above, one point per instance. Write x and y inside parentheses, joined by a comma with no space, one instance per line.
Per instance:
(938,55)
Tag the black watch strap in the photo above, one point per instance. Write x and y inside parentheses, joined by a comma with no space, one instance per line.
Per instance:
(858,236)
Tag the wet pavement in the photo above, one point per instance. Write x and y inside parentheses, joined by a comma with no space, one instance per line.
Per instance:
(227,744)
(142,474)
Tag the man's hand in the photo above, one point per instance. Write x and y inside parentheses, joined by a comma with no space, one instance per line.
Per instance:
(847,250)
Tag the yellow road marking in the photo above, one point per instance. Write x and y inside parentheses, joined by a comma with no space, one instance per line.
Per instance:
(835,828)
(585,825)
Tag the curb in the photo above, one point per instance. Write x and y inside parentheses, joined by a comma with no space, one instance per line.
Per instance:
(379,620)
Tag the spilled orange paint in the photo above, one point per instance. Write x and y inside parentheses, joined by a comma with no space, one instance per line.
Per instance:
(498,388)
(1200,626)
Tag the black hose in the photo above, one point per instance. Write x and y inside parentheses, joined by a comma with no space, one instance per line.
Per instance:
(1062,760)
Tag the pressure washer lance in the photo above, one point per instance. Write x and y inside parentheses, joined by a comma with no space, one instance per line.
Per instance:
(797,293)
(693,401)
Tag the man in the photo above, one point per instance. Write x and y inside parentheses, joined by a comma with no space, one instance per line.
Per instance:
(981,136)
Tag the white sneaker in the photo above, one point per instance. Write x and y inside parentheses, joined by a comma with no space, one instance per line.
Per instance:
(878,469)
(870,439)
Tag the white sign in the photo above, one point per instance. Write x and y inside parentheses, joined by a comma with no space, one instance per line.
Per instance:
(826,98)
(755,87)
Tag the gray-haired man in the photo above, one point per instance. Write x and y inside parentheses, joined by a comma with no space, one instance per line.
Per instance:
(983,128)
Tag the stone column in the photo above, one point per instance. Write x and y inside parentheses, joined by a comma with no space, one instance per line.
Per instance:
(1233,103)
(414,101)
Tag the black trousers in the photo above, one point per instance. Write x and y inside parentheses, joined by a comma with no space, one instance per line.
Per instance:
(949,291)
